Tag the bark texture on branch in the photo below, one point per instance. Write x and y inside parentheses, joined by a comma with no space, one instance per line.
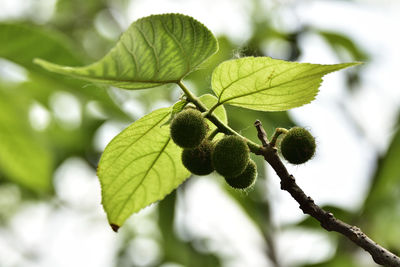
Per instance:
(327,220)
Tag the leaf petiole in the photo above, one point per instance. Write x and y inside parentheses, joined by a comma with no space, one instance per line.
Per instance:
(213,134)
(211,110)
(222,127)
(277,133)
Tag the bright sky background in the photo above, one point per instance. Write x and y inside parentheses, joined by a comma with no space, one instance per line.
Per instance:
(77,234)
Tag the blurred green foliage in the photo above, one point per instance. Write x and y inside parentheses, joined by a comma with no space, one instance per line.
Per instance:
(381,213)
(29,157)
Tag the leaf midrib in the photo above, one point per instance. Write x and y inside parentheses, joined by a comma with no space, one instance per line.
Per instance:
(270,87)
(141,181)
(136,140)
(244,77)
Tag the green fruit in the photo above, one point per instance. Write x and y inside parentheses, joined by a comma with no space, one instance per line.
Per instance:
(246,179)
(188,128)
(298,145)
(230,156)
(198,160)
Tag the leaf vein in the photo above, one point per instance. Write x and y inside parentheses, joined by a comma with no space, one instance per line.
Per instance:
(151,46)
(245,76)
(133,56)
(173,37)
(316,75)
(134,141)
(141,181)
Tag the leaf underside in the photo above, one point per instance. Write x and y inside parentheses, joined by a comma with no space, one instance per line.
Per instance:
(176,108)
(140,166)
(155,50)
(266,84)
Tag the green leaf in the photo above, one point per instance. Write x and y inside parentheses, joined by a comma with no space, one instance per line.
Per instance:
(263,83)
(155,50)
(23,159)
(338,42)
(21,43)
(176,108)
(139,166)
(381,207)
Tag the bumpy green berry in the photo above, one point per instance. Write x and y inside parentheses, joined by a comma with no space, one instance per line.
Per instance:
(198,160)
(298,145)
(230,156)
(188,128)
(246,179)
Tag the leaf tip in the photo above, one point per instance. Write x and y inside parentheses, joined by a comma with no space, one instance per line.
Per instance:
(352,64)
(114,227)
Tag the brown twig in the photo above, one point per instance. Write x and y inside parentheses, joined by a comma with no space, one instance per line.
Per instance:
(327,220)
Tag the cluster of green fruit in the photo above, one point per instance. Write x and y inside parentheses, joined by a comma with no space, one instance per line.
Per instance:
(229,156)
